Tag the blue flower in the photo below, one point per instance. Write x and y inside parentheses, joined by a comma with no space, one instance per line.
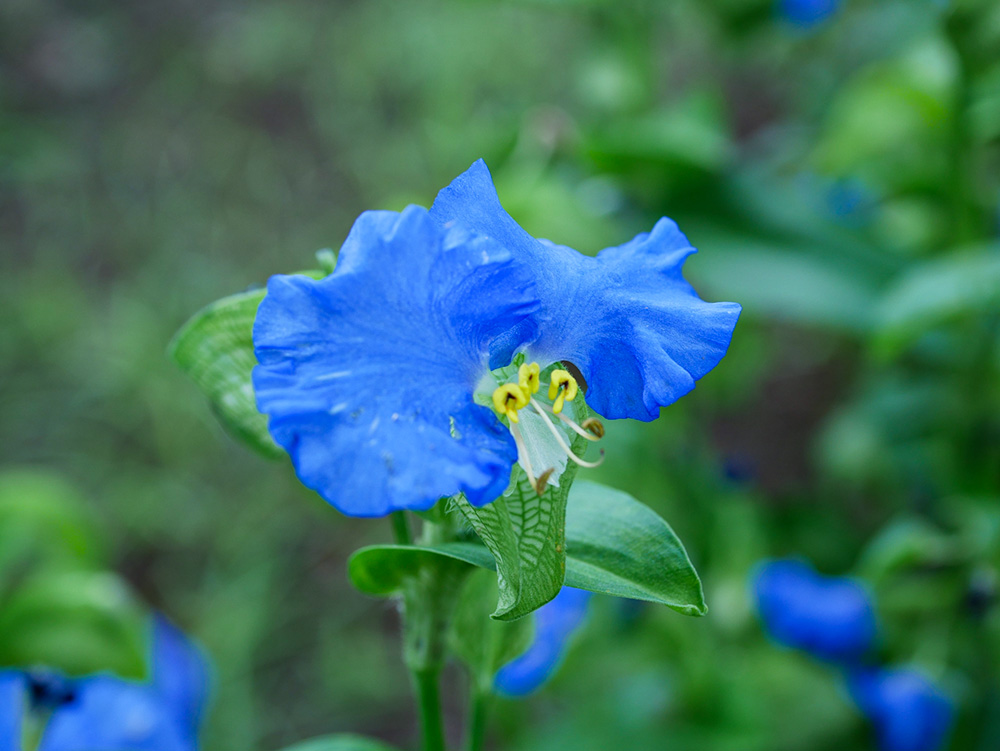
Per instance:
(393,382)
(106,712)
(807,13)
(830,617)
(369,375)
(636,330)
(555,622)
(908,711)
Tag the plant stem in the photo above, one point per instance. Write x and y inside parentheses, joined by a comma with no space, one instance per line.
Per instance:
(401,528)
(425,683)
(478,710)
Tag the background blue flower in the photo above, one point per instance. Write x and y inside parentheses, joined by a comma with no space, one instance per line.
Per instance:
(368,375)
(807,13)
(908,711)
(626,318)
(830,617)
(555,623)
(108,713)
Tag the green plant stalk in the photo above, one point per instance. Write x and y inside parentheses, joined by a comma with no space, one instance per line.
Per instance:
(428,601)
(425,684)
(478,711)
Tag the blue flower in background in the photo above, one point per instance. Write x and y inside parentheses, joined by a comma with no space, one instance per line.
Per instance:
(369,375)
(105,713)
(830,617)
(807,13)
(627,319)
(555,622)
(908,711)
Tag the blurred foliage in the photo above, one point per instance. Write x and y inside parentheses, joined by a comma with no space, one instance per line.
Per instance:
(842,182)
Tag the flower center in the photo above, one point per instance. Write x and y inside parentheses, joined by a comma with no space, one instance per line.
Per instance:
(534,439)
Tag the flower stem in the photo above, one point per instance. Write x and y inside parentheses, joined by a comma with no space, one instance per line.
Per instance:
(478,710)
(425,683)
(401,528)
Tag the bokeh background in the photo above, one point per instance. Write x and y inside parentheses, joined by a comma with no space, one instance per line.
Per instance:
(838,165)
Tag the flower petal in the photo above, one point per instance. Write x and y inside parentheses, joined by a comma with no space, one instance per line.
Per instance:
(908,711)
(110,713)
(11,709)
(637,331)
(830,617)
(180,673)
(368,375)
(555,623)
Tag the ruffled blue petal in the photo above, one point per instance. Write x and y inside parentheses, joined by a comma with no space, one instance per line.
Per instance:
(908,711)
(637,331)
(11,709)
(555,622)
(368,375)
(180,674)
(831,618)
(109,714)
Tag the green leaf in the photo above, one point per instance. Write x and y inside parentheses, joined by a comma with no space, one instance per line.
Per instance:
(527,536)
(936,292)
(43,524)
(215,349)
(615,545)
(619,546)
(482,643)
(79,622)
(341,742)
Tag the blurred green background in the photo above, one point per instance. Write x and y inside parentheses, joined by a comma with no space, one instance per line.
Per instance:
(842,181)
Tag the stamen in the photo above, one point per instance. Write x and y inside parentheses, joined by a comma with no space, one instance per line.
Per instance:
(595,426)
(508,399)
(527,378)
(562,441)
(522,454)
(562,386)
(592,428)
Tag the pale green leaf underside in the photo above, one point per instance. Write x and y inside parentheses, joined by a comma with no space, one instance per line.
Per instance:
(215,349)
(615,546)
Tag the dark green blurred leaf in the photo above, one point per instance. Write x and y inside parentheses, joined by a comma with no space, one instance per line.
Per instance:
(775,280)
(43,523)
(78,622)
(935,292)
(483,643)
(345,742)
(616,546)
(215,349)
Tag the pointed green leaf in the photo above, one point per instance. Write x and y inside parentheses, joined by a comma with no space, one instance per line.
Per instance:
(619,546)
(615,545)
(215,349)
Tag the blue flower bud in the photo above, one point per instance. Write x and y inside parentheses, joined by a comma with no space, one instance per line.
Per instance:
(908,711)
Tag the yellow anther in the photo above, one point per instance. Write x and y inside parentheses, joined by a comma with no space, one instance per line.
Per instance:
(508,399)
(562,386)
(527,378)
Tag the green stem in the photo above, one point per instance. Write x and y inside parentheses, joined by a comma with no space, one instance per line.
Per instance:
(478,711)
(425,683)
(401,528)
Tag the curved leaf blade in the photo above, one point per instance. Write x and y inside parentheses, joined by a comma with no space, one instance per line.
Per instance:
(615,546)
